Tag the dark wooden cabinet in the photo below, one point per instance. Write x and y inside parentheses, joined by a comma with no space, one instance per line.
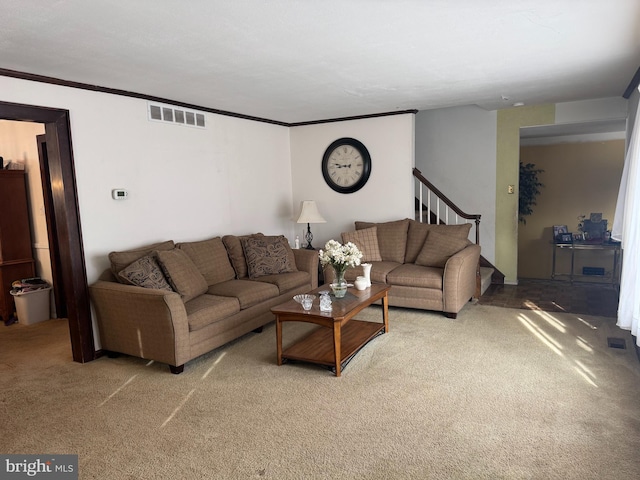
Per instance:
(16,251)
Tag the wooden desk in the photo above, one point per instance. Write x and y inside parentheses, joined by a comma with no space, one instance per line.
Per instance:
(602,247)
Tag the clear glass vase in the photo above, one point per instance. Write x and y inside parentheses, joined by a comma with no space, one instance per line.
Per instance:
(339,287)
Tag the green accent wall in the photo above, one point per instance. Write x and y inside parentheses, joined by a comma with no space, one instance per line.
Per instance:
(507,172)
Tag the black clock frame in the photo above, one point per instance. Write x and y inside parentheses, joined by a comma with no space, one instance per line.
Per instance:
(366,165)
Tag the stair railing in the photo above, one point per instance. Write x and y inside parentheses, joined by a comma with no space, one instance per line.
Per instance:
(438,208)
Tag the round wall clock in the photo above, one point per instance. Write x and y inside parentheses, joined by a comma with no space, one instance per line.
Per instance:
(346,165)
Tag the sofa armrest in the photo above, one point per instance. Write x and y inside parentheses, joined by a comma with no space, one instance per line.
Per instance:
(143,322)
(459,281)
(307,261)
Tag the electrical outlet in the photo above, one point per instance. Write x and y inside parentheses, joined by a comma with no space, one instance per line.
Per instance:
(510,189)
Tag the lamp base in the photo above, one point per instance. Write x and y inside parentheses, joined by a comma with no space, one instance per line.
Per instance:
(309,237)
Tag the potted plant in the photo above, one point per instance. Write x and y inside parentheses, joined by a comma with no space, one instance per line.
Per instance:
(529,189)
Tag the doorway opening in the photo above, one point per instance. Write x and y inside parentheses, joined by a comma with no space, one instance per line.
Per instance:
(63,221)
(581,167)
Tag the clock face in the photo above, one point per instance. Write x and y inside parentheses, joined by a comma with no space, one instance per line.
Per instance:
(346,165)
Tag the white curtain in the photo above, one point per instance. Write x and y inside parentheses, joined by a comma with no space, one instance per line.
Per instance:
(626,229)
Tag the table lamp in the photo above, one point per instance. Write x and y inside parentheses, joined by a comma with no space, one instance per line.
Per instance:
(309,214)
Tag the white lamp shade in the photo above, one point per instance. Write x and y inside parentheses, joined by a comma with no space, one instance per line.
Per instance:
(309,213)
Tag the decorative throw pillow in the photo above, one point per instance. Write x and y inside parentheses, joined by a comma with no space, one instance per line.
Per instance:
(144,272)
(392,238)
(438,248)
(211,259)
(367,242)
(120,260)
(268,256)
(233,244)
(182,274)
(418,234)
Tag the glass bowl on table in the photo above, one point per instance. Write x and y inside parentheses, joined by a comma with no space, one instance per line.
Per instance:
(305,300)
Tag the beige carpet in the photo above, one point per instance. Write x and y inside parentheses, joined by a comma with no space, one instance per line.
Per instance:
(497,393)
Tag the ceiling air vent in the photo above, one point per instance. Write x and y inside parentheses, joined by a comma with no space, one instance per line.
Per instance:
(176,115)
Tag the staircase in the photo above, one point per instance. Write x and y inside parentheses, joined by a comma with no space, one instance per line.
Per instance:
(432,206)
(486,274)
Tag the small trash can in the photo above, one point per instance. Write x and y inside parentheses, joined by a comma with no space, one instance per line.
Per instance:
(32,299)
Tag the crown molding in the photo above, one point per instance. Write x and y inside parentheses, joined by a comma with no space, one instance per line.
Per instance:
(125,93)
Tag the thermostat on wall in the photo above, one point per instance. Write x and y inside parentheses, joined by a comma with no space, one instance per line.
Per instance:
(119,194)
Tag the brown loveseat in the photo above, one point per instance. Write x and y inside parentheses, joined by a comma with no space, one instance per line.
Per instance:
(174,302)
(428,266)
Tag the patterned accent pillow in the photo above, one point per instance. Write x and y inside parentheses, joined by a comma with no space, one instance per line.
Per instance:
(144,272)
(367,242)
(120,260)
(233,244)
(182,274)
(438,248)
(268,256)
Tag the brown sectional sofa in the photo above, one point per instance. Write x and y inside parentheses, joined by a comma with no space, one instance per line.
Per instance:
(174,302)
(428,266)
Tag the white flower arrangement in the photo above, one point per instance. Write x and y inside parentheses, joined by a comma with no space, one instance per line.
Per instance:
(340,256)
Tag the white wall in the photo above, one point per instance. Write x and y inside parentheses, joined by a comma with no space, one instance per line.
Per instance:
(388,195)
(236,176)
(591,110)
(456,151)
(184,183)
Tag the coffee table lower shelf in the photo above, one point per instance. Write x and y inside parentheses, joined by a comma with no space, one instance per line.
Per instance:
(318,348)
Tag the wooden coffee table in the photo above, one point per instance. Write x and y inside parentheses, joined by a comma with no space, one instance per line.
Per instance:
(339,336)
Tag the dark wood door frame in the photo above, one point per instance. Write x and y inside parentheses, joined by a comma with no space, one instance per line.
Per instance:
(54,251)
(68,233)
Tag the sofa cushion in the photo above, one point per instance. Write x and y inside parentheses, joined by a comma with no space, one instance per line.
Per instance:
(121,260)
(287,281)
(392,238)
(248,292)
(144,272)
(418,234)
(207,309)
(367,242)
(378,274)
(438,248)
(211,259)
(268,255)
(411,275)
(233,243)
(182,274)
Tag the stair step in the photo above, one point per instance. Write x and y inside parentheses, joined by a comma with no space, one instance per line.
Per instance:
(485,278)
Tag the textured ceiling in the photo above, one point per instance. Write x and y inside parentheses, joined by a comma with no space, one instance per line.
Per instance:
(302,60)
